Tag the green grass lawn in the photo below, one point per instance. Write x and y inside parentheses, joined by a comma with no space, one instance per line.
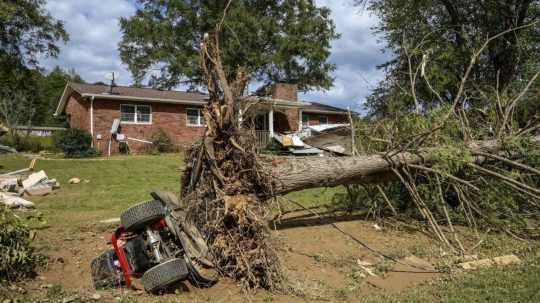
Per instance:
(115,184)
(515,283)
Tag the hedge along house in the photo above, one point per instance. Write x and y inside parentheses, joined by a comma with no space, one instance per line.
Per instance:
(141,112)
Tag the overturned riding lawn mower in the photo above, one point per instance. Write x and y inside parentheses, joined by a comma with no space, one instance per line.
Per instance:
(156,244)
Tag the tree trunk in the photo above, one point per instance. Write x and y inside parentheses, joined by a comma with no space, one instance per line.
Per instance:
(294,174)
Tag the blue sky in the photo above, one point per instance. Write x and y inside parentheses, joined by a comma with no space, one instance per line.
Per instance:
(95,33)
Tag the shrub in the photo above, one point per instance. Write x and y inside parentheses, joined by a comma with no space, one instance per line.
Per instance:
(75,143)
(161,141)
(17,258)
(33,144)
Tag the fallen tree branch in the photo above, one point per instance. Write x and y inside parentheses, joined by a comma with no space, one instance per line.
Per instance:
(504,178)
(467,183)
(293,174)
(510,162)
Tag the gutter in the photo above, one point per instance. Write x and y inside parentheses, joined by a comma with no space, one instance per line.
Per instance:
(276,102)
(92,119)
(142,99)
(305,110)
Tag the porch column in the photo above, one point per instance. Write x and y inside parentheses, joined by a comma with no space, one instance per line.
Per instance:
(271,122)
(240,117)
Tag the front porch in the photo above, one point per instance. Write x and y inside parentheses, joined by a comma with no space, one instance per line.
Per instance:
(270,118)
(271,122)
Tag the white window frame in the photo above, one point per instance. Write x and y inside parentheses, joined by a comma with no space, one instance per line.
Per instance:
(200,122)
(135,121)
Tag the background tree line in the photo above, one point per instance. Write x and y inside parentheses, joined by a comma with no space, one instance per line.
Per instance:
(433,41)
(29,94)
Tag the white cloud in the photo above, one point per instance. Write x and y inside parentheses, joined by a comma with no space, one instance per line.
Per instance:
(356,55)
(94,36)
(95,33)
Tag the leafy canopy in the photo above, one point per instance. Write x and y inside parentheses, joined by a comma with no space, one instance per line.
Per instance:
(444,34)
(27,30)
(27,33)
(275,41)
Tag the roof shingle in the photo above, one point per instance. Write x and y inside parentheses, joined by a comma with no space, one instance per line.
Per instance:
(138,92)
(171,96)
(319,107)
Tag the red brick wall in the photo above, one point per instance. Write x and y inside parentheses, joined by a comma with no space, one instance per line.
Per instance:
(285,91)
(169,117)
(337,119)
(292,117)
(77,111)
(332,119)
(286,121)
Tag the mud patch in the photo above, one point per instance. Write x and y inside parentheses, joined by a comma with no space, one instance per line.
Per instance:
(411,271)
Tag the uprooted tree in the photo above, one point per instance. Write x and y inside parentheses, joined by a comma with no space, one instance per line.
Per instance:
(226,186)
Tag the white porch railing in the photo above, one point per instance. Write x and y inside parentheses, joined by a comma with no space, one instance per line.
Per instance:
(262,137)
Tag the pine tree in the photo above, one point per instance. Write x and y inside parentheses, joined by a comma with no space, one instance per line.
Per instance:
(275,41)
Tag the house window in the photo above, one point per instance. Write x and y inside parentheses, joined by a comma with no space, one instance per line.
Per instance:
(136,113)
(194,117)
(323,120)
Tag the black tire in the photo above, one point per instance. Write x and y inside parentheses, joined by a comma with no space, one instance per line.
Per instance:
(104,273)
(141,215)
(164,274)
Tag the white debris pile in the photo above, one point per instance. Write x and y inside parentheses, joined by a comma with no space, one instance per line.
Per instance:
(13,186)
(38,184)
(13,201)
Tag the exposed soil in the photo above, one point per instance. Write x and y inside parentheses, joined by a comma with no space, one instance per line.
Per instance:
(321,263)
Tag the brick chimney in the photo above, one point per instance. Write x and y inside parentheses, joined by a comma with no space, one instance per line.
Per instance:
(284,91)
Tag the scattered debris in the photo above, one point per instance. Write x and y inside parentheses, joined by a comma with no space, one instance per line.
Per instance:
(38,184)
(7,149)
(34,179)
(74,181)
(295,146)
(502,260)
(377,227)
(96,297)
(15,201)
(468,258)
(365,266)
(39,190)
(333,138)
(110,221)
(315,140)
(20,171)
(9,184)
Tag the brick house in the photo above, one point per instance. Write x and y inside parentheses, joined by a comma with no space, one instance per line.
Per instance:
(143,111)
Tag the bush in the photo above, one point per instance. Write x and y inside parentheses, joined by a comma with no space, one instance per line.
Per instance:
(17,258)
(33,144)
(75,143)
(161,141)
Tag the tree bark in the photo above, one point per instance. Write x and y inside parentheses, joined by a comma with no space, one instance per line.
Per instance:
(294,173)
